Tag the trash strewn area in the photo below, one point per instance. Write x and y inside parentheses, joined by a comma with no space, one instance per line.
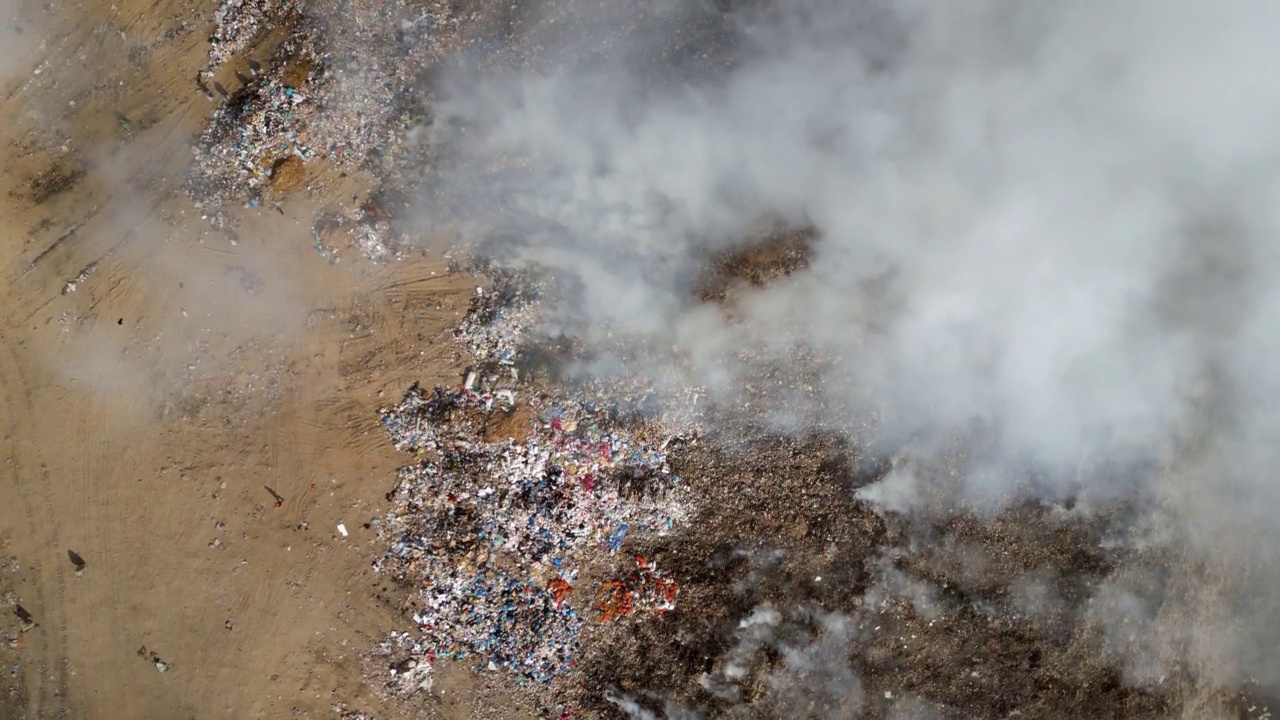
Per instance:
(339,91)
(511,529)
(255,132)
(237,23)
(13,625)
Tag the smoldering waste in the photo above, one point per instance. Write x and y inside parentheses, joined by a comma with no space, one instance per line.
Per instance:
(494,532)
(612,565)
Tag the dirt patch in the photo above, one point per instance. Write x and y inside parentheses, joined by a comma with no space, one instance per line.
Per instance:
(53,182)
(514,425)
(296,73)
(778,254)
(288,175)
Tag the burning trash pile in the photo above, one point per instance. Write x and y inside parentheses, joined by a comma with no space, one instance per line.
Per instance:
(493,531)
(496,325)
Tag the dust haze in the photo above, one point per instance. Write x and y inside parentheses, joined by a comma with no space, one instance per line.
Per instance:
(1047,231)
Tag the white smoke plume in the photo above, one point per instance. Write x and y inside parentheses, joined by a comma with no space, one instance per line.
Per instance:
(1053,222)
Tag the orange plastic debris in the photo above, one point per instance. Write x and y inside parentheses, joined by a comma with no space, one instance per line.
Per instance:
(618,600)
(559,588)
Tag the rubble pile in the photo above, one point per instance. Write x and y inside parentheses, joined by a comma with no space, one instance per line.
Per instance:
(492,534)
(498,320)
(378,53)
(502,621)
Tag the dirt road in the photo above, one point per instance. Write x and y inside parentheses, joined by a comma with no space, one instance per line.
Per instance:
(162,384)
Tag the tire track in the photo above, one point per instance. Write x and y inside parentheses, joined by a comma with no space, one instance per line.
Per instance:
(38,518)
(91,439)
(10,371)
(60,588)
(100,481)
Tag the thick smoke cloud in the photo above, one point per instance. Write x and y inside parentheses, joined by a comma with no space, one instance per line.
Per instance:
(1053,223)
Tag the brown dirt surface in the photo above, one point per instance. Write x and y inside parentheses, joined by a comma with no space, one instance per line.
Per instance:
(296,73)
(514,424)
(147,409)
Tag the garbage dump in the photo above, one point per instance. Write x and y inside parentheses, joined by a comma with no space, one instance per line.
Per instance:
(339,87)
(495,533)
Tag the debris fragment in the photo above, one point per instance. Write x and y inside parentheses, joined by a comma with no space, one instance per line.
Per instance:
(77,561)
(83,275)
(645,589)
(24,617)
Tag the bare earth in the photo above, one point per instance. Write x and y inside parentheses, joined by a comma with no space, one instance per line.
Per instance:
(149,414)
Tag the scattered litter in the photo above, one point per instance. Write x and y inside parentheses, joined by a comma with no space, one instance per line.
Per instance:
(24,617)
(154,659)
(342,529)
(76,561)
(83,275)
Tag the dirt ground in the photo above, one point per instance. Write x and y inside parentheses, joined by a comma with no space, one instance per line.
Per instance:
(153,407)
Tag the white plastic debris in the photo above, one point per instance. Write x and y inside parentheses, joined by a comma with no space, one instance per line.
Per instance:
(342,529)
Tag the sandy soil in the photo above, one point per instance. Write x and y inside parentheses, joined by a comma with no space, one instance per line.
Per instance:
(150,414)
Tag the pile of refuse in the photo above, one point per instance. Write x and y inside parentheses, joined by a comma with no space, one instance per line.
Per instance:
(496,324)
(492,533)
(377,54)
(255,131)
(341,86)
(237,22)
(645,589)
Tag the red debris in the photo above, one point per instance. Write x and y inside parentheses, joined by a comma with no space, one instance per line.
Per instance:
(645,589)
(559,588)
